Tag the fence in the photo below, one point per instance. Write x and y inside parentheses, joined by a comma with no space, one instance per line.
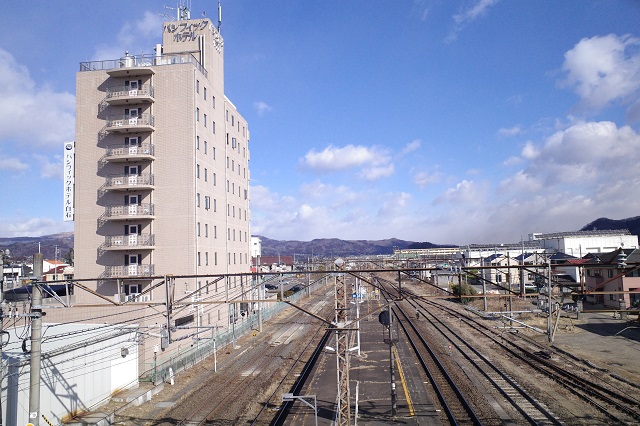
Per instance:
(162,370)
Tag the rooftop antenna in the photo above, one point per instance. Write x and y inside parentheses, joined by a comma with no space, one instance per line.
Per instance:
(219,16)
(184,12)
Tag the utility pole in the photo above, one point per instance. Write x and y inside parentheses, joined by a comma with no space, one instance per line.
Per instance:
(342,350)
(36,341)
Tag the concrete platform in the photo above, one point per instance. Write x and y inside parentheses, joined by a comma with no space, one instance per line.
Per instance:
(105,415)
(370,384)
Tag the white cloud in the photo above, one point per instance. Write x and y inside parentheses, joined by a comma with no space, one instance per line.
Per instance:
(29,115)
(512,161)
(134,37)
(32,227)
(376,172)
(465,192)
(12,164)
(373,163)
(603,69)
(411,146)
(50,169)
(262,108)
(468,15)
(509,132)
(424,179)
(521,183)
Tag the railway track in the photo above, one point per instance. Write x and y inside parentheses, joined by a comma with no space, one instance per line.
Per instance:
(248,385)
(604,396)
(613,398)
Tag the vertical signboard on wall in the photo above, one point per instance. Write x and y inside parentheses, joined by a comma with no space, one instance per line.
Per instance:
(69,180)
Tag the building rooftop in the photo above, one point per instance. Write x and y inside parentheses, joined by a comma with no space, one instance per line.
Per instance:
(594,233)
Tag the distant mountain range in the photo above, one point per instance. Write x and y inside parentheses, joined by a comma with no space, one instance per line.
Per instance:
(631,223)
(24,247)
(332,247)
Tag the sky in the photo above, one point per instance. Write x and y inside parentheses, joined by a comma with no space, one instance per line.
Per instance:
(448,121)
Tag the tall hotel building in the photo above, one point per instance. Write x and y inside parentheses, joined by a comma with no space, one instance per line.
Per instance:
(161,183)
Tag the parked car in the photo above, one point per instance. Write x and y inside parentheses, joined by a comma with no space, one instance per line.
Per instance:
(271,286)
(295,288)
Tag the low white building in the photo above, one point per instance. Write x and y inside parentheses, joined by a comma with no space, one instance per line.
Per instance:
(82,365)
(581,243)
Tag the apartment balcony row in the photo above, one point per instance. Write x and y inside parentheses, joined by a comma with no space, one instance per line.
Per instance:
(128,242)
(123,95)
(127,123)
(137,270)
(128,182)
(123,153)
(138,65)
(128,212)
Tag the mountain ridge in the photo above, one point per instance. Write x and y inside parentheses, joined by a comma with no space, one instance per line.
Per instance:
(23,248)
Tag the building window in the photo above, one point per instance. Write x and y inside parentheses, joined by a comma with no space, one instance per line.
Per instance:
(205,93)
(206,230)
(198,200)
(198,171)
(610,273)
(197,142)
(215,205)
(206,258)
(207,202)
(215,262)
(205,147)
(213,101)
(213,127)
(205,120)
(205,174)
(197,86)
(213,152)
(232,121)
(214,179)
(197,114)
(198,228)
(215,232)
(198,258)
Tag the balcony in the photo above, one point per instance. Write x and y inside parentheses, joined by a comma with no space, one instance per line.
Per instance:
(129,242)
(128,212)
(125,153)
(124,123)
(128,182)
(134,297)
(123,95)
(128,271)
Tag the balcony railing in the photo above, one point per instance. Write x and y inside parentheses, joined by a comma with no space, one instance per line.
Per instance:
(128,271)
(125,95)
(140,64)
(125,123)
(124,182)
(134,297)
(131,211)
(125,242)
(129,152)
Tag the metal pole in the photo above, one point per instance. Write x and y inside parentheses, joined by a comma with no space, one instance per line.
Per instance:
(394,397)
(342,349)
(36,341)
(549,322)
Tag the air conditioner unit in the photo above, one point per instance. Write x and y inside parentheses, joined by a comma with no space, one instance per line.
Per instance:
(117,242)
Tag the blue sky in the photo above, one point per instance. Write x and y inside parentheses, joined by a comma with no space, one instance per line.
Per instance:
(472,121)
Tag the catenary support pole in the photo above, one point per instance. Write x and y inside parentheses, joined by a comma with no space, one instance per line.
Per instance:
(36,341)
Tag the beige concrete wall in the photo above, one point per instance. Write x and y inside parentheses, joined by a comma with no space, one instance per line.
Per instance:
(223,243)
